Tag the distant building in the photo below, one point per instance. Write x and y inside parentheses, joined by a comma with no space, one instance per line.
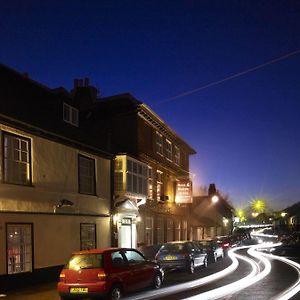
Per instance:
(211,216)
(288,220)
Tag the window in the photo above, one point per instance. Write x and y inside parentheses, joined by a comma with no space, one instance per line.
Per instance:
(170,230)
(117,259)
(150,183)
(148,231)
(87,236)
(70,114)
(168,150)
(159,143)
(134,257)
(160,230)
(176,155)
(177,228)
(19,248)
(184,230)
(137,177)
(86,171)
(85,261)
(159,185)
(118,175)
(17,159)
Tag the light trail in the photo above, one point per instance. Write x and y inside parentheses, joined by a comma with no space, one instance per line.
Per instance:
(253,277)
(295,288)
(191,284)
(238,285)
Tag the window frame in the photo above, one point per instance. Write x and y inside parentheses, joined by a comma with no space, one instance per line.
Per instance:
(4,160)
(73,114)
(31,268)
(159,185)
(150,183)
(159,143)
(82,225)
(168,150)
(136,177)
(176,155)
(93,193)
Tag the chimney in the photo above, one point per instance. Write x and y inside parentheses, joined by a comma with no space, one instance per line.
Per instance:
(212,189)
(84,94)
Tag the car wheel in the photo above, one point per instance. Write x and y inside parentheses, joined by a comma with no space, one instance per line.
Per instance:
(191,267)
(115,292)
(157,281)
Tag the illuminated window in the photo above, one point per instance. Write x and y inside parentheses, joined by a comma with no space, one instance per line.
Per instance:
(159,143)
(87,236)
(150,183)
(168,150)
(86,172)
(17,162)
(19,248)
(137,177)
(70,114)
(176,155)
(118,182)
(159,185)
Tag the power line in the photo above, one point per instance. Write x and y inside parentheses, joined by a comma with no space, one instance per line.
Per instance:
(285,56)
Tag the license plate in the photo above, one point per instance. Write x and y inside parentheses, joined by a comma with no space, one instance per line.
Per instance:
(170,257)
(79,290)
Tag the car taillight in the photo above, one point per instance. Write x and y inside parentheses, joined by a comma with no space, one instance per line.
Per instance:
(226,245)
(101,276)
(186,254)
(62,277)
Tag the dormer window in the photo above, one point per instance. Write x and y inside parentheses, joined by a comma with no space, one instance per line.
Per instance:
(70,114)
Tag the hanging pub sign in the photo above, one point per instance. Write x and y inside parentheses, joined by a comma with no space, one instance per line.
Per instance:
(184,191)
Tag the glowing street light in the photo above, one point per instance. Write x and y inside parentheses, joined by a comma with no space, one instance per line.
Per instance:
(215,199)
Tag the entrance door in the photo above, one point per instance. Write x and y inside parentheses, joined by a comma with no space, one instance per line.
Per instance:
(126,234)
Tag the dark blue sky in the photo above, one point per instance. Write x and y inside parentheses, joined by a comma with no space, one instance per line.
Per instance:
(245,130)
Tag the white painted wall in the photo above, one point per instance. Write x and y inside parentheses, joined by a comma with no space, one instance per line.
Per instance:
(55,177)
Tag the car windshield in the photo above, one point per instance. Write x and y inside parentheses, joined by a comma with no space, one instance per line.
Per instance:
(85,261)
(173,248)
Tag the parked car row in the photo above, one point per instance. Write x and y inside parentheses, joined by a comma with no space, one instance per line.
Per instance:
(111,272)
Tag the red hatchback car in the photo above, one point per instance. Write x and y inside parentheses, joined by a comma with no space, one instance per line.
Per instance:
(107,272)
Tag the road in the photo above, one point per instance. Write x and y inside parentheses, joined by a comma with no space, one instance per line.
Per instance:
(241,276)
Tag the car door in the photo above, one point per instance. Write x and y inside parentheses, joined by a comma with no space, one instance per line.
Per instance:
(120,270)
(142,270)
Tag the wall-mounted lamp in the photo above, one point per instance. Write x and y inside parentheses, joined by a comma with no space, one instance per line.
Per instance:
(63,203)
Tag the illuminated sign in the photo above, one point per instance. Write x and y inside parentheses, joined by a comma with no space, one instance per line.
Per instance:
(184,192)
(126,221)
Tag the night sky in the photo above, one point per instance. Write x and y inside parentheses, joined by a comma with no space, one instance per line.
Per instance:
(242,102)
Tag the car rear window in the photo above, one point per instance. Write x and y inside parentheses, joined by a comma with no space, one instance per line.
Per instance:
(173,248)
(85,261)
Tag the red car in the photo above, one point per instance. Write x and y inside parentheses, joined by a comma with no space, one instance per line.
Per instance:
(108,272)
